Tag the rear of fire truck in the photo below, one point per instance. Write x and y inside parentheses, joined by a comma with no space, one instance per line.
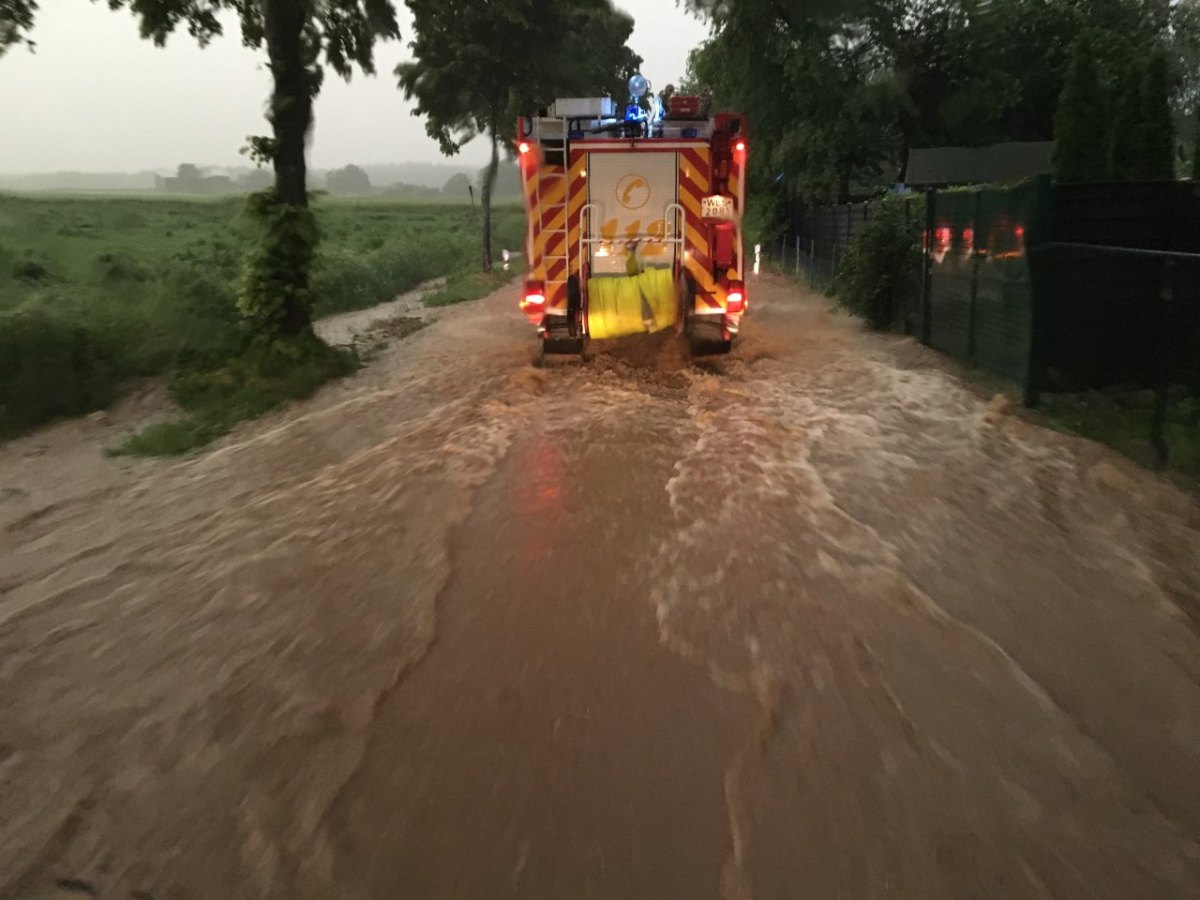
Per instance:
(634,220)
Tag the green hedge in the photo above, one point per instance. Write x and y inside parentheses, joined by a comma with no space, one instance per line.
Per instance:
(882,263)
(50,366)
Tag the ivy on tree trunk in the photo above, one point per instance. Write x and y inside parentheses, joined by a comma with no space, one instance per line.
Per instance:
(275,298)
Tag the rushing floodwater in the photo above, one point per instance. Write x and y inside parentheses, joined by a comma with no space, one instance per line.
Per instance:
(812,620)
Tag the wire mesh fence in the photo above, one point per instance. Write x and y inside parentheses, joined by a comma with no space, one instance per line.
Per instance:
(816,241)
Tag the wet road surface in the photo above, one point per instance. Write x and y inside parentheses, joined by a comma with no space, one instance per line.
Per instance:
(812,620)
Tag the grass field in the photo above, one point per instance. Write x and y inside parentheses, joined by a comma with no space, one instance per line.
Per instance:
(97,289)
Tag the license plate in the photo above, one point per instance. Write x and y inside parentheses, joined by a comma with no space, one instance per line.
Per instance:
(716,207)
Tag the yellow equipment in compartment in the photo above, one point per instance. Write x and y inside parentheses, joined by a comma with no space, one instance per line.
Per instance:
(615,303)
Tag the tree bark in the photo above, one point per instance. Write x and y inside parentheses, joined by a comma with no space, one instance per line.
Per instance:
(844,183)
(1196,149)
(289,242)
(485,200)
(292,97)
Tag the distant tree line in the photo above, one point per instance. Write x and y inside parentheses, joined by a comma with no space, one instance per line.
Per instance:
(192,179)
(355,181)
(351,181)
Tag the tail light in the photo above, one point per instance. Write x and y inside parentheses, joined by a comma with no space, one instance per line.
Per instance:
(533,301)
(735,299)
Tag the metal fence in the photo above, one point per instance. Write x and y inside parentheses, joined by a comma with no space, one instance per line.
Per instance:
(977,298)
(1069,287)
(816,241)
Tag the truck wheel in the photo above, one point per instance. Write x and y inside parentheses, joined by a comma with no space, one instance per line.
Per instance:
(688,304)
(709,347)
(574,305)
(563,346)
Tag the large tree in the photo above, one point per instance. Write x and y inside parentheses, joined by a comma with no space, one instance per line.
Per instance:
(348,180)
(300,37)
(1128,135)
(822,107)
(1080,126)
(478,65)
(16,21)
(1158,127)
(838,91)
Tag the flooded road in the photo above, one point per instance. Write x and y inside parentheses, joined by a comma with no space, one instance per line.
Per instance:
(813,620)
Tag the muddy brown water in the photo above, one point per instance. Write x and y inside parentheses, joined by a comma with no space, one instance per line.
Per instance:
(807,621)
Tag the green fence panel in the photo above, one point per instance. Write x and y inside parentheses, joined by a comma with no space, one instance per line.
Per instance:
(980,294)
(1004,295)
(952,272)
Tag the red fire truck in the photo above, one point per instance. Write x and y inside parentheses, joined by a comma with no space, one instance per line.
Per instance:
(634,220)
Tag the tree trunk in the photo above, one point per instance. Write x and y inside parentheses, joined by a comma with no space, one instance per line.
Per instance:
(292,98)
(290,240)
(844,183)
(1196,149)
(485,200)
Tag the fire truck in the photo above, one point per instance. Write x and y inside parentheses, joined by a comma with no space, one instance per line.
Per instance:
(633,220)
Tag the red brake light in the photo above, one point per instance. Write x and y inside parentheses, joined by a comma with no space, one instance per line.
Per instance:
(535,295)
(735,300)
(523,147)
(740,146)
(533,301)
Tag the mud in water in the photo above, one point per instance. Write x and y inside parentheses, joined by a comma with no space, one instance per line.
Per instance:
(814,619)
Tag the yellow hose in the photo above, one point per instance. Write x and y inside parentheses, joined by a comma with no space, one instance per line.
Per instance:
(615,303)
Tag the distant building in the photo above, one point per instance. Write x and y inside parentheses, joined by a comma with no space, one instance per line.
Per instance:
(997,164)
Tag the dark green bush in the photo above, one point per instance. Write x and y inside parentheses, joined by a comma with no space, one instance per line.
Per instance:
(265,376)
(30,270)
(120,267)
(344,280)
(50,366)
(882,263)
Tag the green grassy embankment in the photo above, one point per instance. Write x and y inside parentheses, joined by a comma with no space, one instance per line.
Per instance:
(95,290)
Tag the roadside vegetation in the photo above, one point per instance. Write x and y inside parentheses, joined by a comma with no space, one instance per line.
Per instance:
(1119,418)
(272,264)
(97,290)
(472,285)
(881,270)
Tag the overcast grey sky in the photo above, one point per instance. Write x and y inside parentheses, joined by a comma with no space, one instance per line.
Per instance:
(95,97)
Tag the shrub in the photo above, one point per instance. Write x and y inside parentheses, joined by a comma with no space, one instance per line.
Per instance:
(265,376)
(203,318)
(118,268)
(344,280)
(30,270)
(881,265)
(50,366)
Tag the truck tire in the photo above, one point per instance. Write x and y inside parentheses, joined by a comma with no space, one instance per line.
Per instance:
(563,346)
(574,305)
(709,347)
(688,304)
